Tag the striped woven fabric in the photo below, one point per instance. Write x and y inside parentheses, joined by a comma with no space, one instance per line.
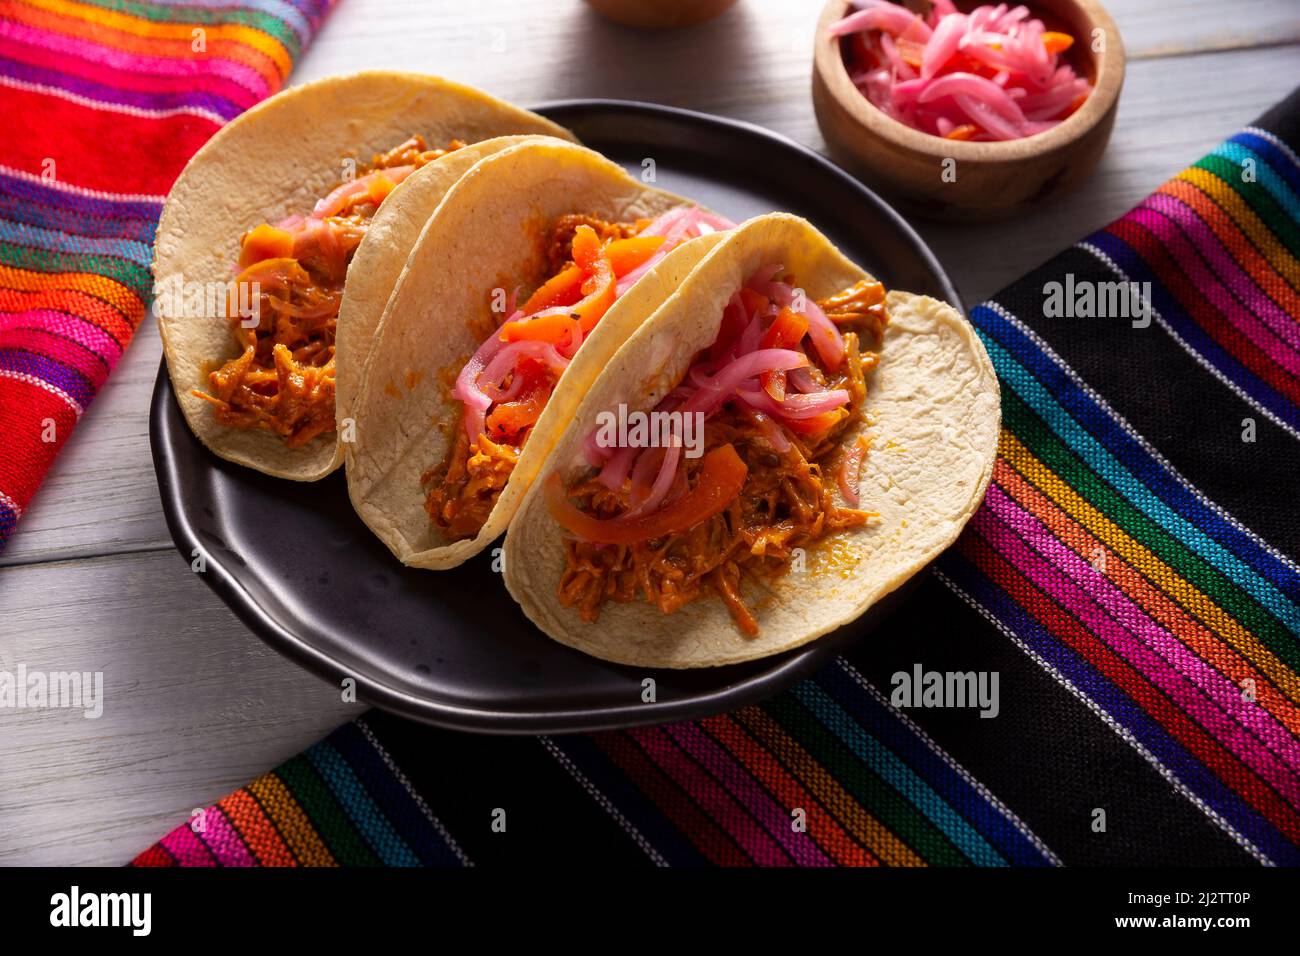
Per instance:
(104,101)
(1131,579)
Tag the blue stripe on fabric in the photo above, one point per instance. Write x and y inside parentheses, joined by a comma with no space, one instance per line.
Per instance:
(887,726)
(393,798)
(352,796)
(34,237)
(68,199)
(1281,163)
(1265,175)
(898,775)
(28,212)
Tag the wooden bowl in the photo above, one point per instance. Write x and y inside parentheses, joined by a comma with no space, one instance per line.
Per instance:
(983,179)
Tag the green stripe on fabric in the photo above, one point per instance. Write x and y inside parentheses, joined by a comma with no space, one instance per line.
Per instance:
(256,19)
(882,801)
(378,831)
(1265,206)
(327,816)
(1046,446)
(135,277)
(895,771)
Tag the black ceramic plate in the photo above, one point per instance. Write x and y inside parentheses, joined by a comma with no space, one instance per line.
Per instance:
(450,647)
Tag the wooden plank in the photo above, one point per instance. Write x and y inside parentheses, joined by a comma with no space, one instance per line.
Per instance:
(194,707)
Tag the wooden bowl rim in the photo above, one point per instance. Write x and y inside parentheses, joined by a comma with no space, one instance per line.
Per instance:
(830,68)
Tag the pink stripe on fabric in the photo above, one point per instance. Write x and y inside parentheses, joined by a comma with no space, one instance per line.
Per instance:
(68,354)
(187,848)
(715,801)
(245,76)
(48,320)
(95,72)
(1231,272)
(224,840)
(775,819)
(1212,289)
(1135,620)
(1187,698)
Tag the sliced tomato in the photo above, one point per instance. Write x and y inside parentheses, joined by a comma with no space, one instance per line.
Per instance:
(717,483)
(599,289)
(814,424)
(628,254)
(265,242)
(754,302)
(563,288)
(508,419)
(786,332)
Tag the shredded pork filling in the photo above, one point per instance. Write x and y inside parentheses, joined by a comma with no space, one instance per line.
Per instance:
(283,378)
(461,491)
(787,500)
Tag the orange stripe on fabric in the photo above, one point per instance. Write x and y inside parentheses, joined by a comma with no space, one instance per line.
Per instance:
(130,42)
(87,307)
(125,23)
(822,827)
(1229,200)
(883,843)
(1241,248)
(106,290)
(1190,631)
(1184,592)
(256,830)
(293,824)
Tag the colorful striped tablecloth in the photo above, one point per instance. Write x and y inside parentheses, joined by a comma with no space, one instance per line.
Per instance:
(103,103)
(1131,580)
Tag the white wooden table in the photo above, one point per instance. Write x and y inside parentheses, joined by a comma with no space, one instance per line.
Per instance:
(195,704)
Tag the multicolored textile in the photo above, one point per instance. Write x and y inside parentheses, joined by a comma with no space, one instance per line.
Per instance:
(103,103)
(1131,579)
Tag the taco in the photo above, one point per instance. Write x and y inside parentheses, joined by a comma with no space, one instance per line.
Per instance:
(781,444)
(538,264)
(263,336)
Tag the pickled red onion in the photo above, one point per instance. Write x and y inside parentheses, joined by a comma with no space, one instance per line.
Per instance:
(990,68)
(335,201)
(735,376)
(663,481)
(505,361)
(795,406)
(676,225)
(467,391)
